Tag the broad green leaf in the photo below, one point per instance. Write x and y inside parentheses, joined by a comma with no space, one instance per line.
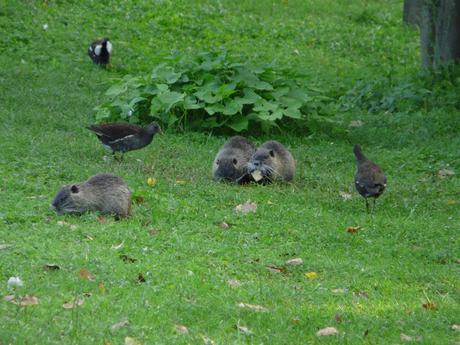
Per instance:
(208,96)
(116,90)
(263,105)
(190,102)
(291,102)
(156,107)
(232,107)
(162,87)
(293,113)
(281,91)
(102,113)
(262,85)
(238,123)
(170,98)
(166,74)
(271,116)
(250,97)
(136,100)
(215,108)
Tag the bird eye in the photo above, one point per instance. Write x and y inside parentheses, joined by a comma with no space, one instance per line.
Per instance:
(235,161)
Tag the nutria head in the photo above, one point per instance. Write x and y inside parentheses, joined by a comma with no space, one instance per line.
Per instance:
(67,200)
(228,166)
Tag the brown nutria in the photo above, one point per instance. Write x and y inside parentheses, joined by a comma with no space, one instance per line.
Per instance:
(231,160)
(272,161)
(103,192)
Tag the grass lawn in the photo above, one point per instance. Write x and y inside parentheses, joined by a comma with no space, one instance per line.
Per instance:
(171,263)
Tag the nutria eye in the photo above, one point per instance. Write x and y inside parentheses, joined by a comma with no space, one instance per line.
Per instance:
(74,189)
(218,161)
(235,161)
(272,153)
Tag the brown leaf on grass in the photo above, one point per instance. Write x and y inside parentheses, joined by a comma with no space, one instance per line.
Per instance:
(234,283)
(361,294)
(443,173)
(127,258)
(139,200)
(455,328)
(153,232)
(181,329)
(345,195)
(247,207)
(180,182)
(405,337)
(118,325)
(429,306)
(85,274)
(327,331)
(51,267)
(140,278)
(224,225)
(243,329)
(353,229)
(254,307)
(101,219)
(101,287)
(132,341)
(275,269)
(73,303)
(294,262)
(207,340)
(355,124)
(29,300)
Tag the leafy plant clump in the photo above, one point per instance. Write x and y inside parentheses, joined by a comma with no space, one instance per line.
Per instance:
(212,92)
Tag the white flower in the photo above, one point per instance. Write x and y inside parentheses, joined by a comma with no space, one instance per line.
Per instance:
(45,26)
(15,282)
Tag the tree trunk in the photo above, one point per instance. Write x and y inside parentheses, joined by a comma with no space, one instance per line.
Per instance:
(412,12)
(440,33)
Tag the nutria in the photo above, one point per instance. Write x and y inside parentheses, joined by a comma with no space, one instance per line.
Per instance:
(272,161)
(231,160)
(103,192)
(370,181)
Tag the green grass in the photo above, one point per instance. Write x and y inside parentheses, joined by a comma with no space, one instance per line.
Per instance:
(404,255)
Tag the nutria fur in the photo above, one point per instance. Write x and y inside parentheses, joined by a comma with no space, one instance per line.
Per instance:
(231,160)
(103,192)
(273,161)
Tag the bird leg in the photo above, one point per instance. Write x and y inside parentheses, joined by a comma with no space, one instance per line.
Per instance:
(367,205)
(373,206)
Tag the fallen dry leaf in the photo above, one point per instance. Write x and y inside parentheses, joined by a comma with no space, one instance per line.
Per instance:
(355,124)
(361,294)
(311,275)
(85,274)
(29,300)
(101,219)
(254,307)
(234,283)
(138,199)
(353,229)
(127,258)
(5,246)
(455,327)
(140,278)
(327,331)
(131,341)
(151,181)
(405,337)
(247,207)
(339,290)
(223,225)
(345,195)
(275,269)
(443,173)
(62,223)
(429,306)
(207,340)
(153,232)
(451,202)
(119,325)
(51,267)
(74,303)
(181,182)
(117,246)
(181,329)
(9,298)
(294,262)
(243,329)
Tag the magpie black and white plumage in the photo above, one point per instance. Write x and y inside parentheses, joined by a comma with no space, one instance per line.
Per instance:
(124,137)
(100,50)
(370,181)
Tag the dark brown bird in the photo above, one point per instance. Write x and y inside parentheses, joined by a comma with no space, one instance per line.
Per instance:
(124,137)
(99,51)
(370,181)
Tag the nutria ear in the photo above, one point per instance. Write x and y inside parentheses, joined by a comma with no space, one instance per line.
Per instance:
(235,161)
(272,153)
(74,189)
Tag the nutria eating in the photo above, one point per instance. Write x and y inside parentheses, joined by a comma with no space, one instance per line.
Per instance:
(272,161)
(231,160)
(103,192)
